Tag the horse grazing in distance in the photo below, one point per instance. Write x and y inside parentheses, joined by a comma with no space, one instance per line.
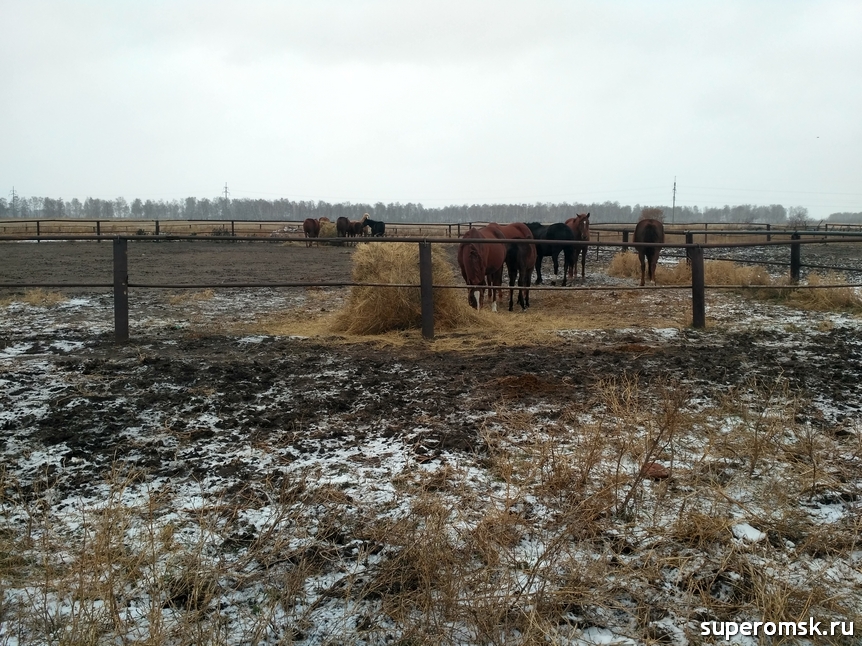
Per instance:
(648,230)
(520,261)
(377,227)
(311,228)
(580,226)
(545,237)
(482,264)
(342,224)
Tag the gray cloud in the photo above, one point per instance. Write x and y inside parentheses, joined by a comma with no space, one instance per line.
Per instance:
(436,102)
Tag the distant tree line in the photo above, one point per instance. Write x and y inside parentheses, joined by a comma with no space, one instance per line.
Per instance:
(219,208)
(845,218)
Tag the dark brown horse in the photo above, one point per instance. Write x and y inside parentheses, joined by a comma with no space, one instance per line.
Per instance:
(342,224)
(580,226)
(311,227)
(520,261)
(651,231)
(482,264)
(357,227)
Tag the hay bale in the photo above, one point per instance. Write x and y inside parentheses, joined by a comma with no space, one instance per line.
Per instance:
(374,310)
(328,230)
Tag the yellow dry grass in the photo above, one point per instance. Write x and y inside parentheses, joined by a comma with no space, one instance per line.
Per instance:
(846,299)
(716,272)
(37,296)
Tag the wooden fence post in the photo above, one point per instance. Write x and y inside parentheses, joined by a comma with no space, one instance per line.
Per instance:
(689,239)
(157,227)
(795,259)
(121,290)
(38,232)
(768,234)
(426,291)
(698,295)
(625,239)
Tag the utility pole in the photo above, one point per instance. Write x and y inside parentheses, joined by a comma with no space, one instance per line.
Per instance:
(14,203)
(673,208)
(226,193)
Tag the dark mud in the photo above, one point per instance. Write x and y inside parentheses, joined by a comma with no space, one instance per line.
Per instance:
(147,403)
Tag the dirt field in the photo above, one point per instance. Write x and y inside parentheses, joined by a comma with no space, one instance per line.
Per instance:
(203,400)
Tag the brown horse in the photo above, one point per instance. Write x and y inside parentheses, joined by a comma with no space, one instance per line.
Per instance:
(311,227)
(648,230)
(520,261)
(482,264)
(357,227)
(342,224)
(580,226)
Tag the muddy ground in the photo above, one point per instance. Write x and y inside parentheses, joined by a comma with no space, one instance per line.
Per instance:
(206,425)
(102,401)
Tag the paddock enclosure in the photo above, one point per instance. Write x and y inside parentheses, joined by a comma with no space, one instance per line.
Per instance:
(238,474)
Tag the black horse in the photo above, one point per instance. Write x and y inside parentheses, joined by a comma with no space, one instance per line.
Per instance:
(545,237)
(378,228)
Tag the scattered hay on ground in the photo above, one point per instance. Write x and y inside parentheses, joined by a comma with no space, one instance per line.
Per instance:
(375,310)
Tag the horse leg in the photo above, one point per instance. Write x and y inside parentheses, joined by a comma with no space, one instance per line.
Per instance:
(539,260)
(523,280)
(556,258)
(653,261)
(511,291)
(643,267)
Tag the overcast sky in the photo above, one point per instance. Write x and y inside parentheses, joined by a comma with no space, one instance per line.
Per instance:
(435,102)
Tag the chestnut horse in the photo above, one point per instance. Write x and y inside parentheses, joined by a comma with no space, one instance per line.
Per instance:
(580,226)
(482,264)
(311,227)
(520,261)
(648,230)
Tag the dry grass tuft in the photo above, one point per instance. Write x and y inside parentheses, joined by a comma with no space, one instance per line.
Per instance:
(36,297)
(375,310)
(831,299)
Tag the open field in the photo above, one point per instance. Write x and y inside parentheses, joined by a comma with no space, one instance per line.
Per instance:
(590,471)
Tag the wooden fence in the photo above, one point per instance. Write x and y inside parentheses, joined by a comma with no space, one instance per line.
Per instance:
(694,253)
